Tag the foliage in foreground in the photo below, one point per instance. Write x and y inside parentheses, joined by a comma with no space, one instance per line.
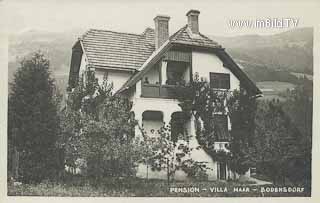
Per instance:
(170,151)
(33,122)
(98,130)
(283,137)
(205,104)
(272,136)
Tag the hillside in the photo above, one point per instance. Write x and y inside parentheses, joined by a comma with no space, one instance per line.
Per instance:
(55,45)
(280,57)
(288,51)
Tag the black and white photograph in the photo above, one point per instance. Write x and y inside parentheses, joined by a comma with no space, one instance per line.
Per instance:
(160,98)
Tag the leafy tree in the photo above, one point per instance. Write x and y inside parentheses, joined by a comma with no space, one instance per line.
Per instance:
(299,108)
(283,136)
(99,130)
(171,152)
(204,103)
(276,140)
(83,100)
(241,110)
(33,120)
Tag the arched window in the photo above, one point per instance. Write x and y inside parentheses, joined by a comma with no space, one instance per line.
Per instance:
(152,121)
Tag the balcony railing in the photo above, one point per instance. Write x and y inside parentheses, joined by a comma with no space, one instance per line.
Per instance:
(158,91)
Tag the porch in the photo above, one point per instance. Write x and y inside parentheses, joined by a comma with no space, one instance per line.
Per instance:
(163,78)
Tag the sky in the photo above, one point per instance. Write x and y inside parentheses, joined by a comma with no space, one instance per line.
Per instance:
(134,16)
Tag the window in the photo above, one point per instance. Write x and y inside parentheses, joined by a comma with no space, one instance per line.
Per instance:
(221,127)
(177,72)
(220,80)
(178,128)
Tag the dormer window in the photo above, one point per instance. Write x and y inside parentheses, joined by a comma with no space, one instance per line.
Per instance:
(220,80)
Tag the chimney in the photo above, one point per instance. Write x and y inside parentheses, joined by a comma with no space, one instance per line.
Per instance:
(193,22)
(161,29)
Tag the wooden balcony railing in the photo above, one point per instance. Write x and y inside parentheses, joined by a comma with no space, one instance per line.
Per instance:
(158,91)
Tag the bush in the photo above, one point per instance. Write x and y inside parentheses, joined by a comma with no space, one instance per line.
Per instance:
(99,129)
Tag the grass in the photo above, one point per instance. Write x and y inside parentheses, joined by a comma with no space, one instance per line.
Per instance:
(140,188)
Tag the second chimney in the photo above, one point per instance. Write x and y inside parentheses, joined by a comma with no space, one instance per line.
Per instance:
(193,22)
(161,29)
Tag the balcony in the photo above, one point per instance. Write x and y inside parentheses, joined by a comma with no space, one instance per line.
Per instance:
(158,91)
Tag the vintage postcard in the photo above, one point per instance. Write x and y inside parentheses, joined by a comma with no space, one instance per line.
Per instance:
(160,99)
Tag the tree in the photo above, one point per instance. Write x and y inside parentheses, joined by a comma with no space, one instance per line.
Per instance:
(283,136)
(241,110)
(204,103)
(299,108)
(279,144)
(171,152)
(99,129)
(33,120)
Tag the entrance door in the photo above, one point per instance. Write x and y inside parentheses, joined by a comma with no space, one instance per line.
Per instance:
(222,170)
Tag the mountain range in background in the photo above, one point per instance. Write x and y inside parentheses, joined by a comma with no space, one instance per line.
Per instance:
(269,60)
(57,47)
(290,50)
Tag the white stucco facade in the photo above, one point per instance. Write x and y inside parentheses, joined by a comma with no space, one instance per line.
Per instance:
(118,78)
(202,63)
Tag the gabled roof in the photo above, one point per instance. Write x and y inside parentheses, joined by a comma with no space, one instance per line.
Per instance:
(136,52)
(109,49)
(183,37)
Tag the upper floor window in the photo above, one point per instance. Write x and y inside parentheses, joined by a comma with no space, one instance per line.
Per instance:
(220,80)
(177,73)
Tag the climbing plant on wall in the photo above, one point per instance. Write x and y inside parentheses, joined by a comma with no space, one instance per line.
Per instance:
(198,99)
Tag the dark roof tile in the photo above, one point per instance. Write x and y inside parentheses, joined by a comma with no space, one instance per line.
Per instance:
(184,36)
(129,51)
(115,49)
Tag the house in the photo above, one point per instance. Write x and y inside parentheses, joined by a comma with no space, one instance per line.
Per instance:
(145,67)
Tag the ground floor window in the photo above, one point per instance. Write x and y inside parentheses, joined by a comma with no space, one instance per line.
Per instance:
(222,170)
(178,125)
(152,121)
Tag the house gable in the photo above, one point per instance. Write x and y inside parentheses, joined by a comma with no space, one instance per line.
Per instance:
(136,54)
(208,63)
(238,76)
(112,52)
